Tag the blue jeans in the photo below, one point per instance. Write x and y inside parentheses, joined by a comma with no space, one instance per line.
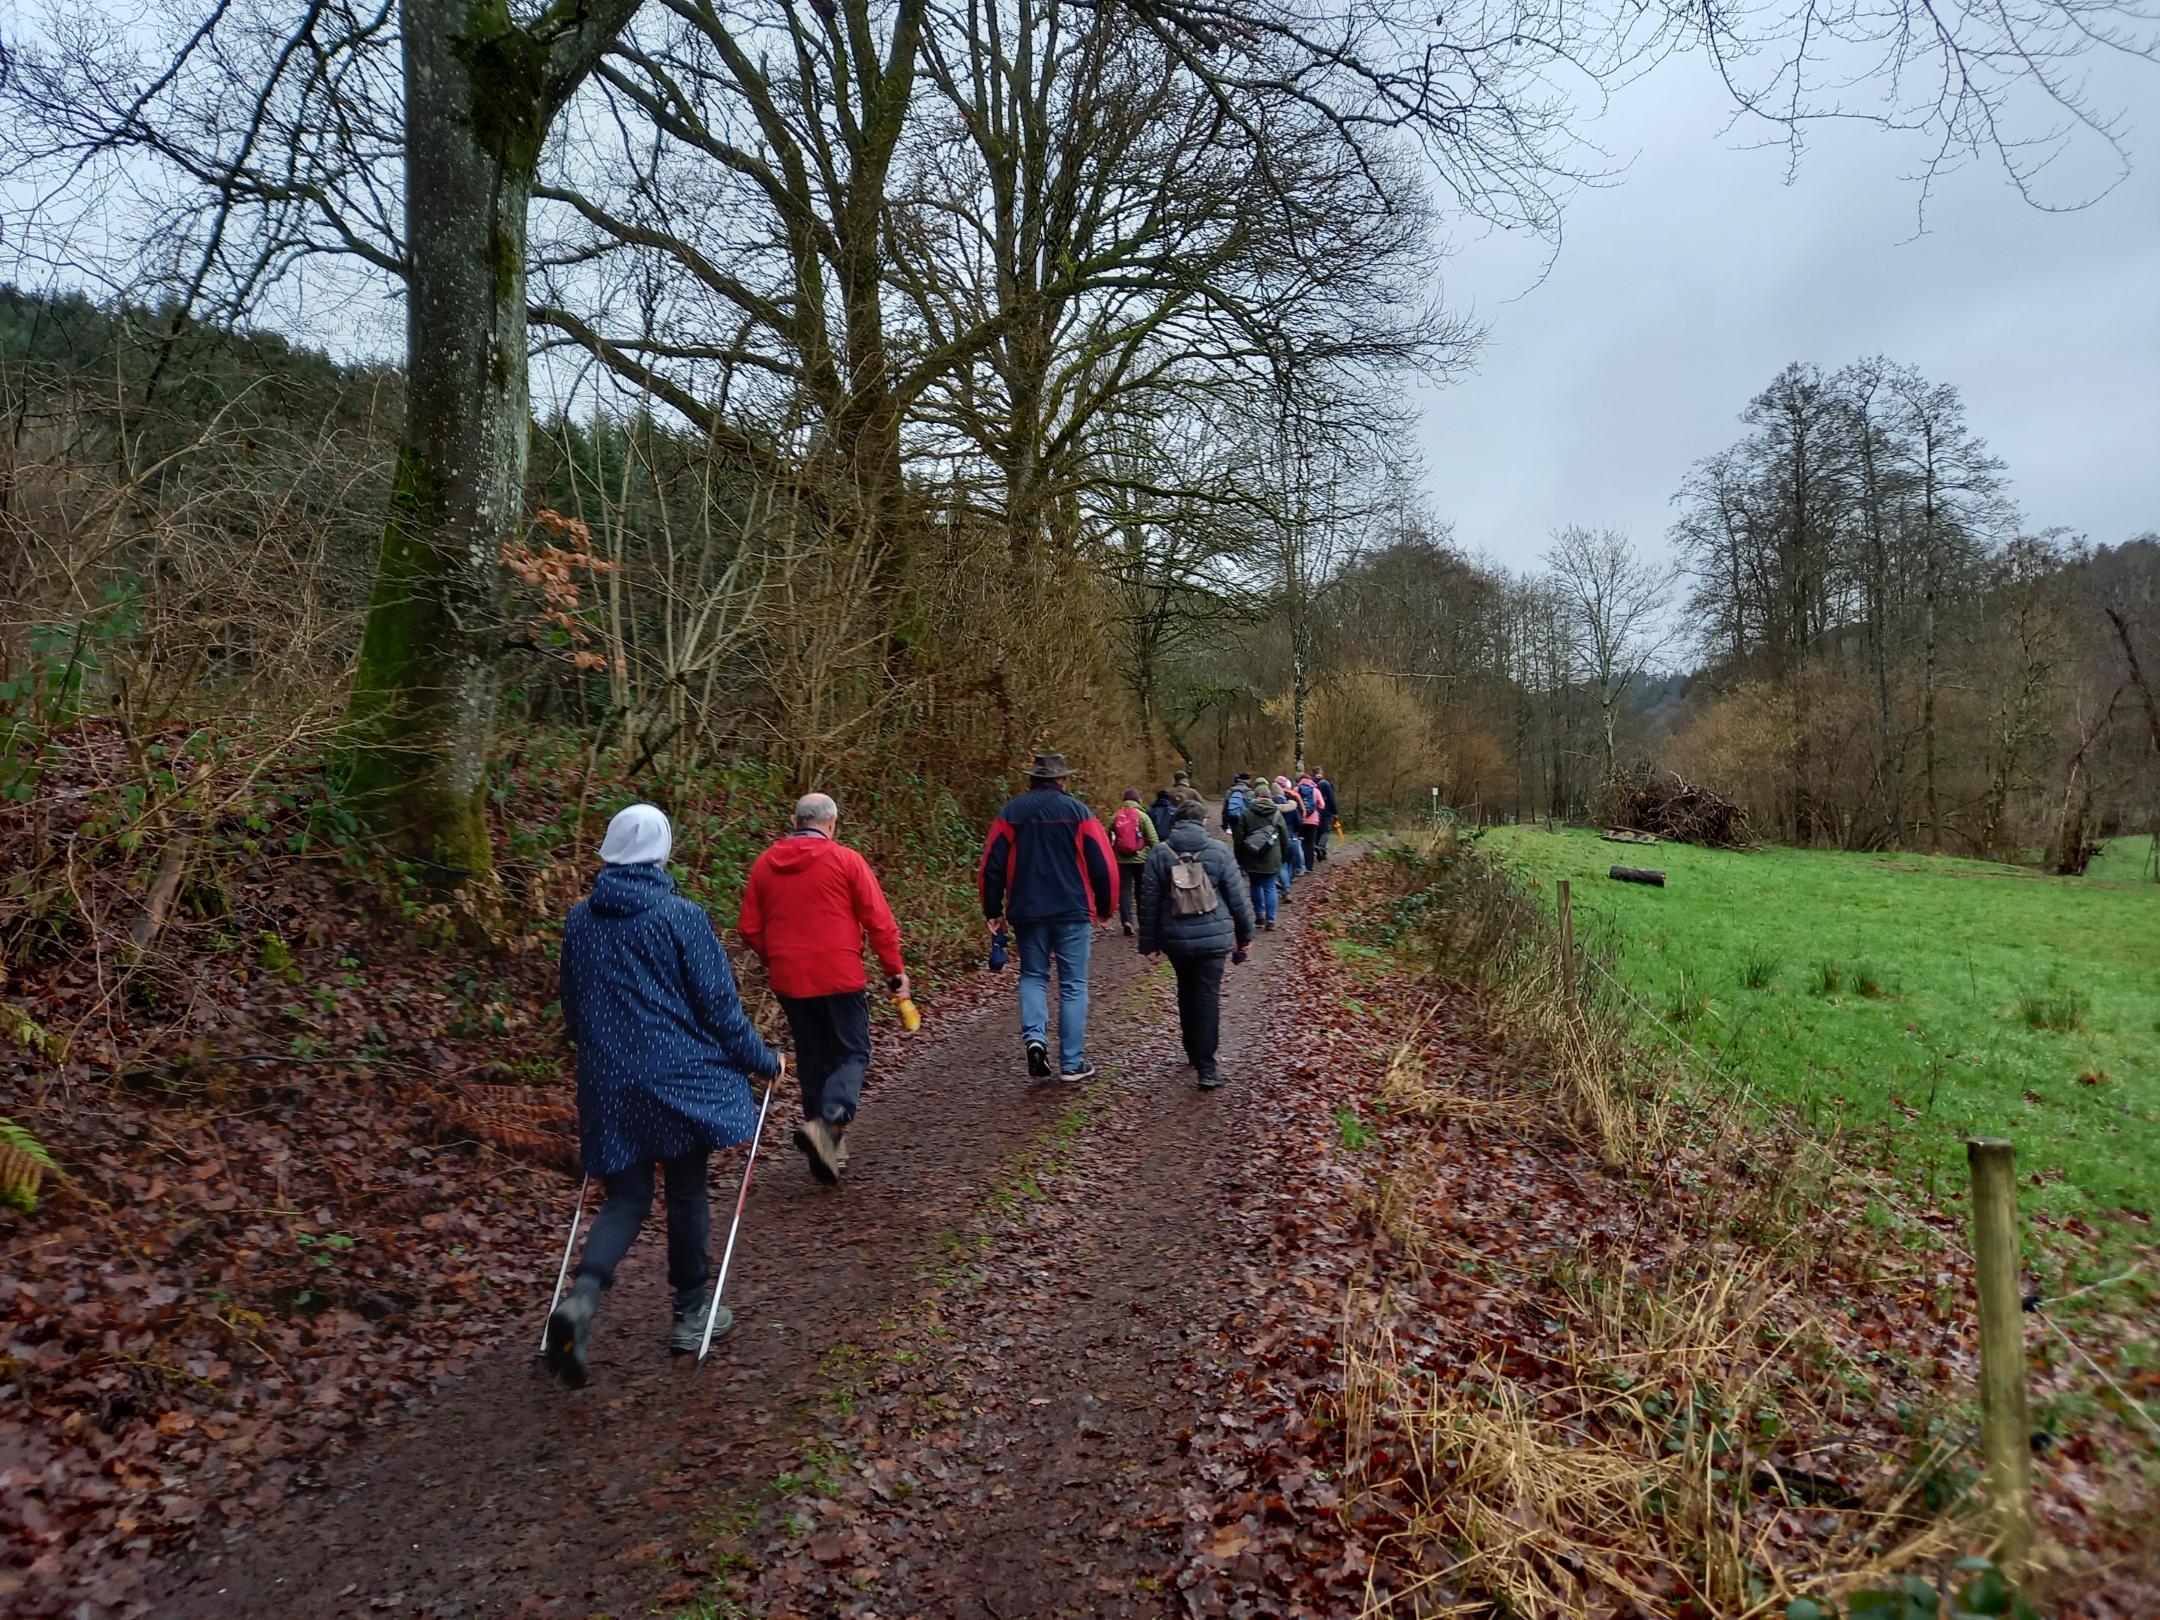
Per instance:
(1264,890)
(1069,942)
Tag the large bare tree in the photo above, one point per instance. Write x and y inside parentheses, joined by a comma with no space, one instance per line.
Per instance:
(277,133)
(261,139)
(1618,606)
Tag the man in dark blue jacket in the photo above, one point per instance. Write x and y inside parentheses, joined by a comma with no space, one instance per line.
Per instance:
(1047,868)
(1328,810)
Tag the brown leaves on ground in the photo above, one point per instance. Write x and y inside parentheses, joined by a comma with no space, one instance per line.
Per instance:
(1459,1367)
(313,1149)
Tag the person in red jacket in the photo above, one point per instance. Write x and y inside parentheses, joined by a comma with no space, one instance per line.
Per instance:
(805,911)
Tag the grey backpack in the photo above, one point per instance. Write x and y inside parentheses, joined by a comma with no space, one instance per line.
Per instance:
(1192,891)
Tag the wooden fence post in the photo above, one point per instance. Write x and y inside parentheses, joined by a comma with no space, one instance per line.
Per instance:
(2005,1429)
(1567,937)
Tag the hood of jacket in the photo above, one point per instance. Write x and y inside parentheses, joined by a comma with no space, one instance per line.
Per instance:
(624,891)
(1263,809)
(1190,834)
(800,851)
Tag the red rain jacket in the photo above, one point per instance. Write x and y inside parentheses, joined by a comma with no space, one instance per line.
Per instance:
(805,910)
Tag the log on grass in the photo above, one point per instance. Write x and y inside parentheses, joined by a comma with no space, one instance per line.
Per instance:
(1638,874)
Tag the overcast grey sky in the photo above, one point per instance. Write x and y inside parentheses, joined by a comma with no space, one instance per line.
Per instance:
(1679,292)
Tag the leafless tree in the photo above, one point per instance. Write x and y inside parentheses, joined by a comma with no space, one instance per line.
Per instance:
(409,139)
(1618,606)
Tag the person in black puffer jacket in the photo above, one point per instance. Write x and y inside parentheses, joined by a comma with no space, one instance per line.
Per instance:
(1198,946)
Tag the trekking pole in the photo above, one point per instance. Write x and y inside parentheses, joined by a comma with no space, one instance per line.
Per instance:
(712,1311)
(577,1217)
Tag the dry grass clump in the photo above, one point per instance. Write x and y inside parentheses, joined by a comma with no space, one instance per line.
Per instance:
(1480,929)
(1409,1088)
(1637,1476)
(1663,1420)
(1496,1499)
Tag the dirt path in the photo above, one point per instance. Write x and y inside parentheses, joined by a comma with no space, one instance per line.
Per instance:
(506,1496)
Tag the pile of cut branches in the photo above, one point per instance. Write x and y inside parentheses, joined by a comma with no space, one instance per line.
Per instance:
(1649,800)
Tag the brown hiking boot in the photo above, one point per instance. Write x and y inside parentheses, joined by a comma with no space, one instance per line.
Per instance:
(815,1138)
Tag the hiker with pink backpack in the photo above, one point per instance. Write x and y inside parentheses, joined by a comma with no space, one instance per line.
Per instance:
(1132,835)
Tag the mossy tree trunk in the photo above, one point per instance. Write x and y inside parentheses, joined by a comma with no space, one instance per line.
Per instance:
(480,92)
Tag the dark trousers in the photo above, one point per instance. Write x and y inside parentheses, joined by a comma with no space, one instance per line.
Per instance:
(1327,825)
(629,1199)
(1309,842)
(1128,892)
(832,1051)
(1199,1005)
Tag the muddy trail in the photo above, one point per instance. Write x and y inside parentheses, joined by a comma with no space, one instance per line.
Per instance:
(504,1495)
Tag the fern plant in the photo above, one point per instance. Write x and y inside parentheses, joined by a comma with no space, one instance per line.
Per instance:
(23,1163)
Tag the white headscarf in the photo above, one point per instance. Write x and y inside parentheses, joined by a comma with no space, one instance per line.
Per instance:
(638,836)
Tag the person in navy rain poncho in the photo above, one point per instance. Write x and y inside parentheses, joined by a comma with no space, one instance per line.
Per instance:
(665,1056)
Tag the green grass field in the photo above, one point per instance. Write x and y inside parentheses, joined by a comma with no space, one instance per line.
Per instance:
(1909,1000)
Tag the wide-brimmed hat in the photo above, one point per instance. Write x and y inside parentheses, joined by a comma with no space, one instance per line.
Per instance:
(1048,768)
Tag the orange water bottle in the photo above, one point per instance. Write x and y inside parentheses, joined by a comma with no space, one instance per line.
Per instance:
(910,1014)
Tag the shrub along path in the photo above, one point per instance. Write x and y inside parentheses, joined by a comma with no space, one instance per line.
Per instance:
(501,1494)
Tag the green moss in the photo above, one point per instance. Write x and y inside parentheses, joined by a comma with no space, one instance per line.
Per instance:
(509,84)
(395,719)
(505,254)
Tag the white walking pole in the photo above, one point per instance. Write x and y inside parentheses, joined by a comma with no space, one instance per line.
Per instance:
(577,1217)
(712,1311)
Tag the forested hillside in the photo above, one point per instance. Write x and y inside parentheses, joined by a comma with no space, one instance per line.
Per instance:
(1888,659)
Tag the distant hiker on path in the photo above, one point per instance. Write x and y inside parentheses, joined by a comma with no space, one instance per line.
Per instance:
(1195,909)
(1048,869)
(1308,820)
(1240,795)
(1261,842)
(1328,810)
(809,904)
(1132,834)
(665,1053)
(1164,810)
(1286,804)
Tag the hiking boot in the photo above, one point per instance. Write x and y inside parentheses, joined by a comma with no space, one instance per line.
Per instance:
(1210,1077)
(688,1333)
(815,1138)
(1128,929)
(1038,1059)
(1086,1071)
(839,1152)
(569,1330)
